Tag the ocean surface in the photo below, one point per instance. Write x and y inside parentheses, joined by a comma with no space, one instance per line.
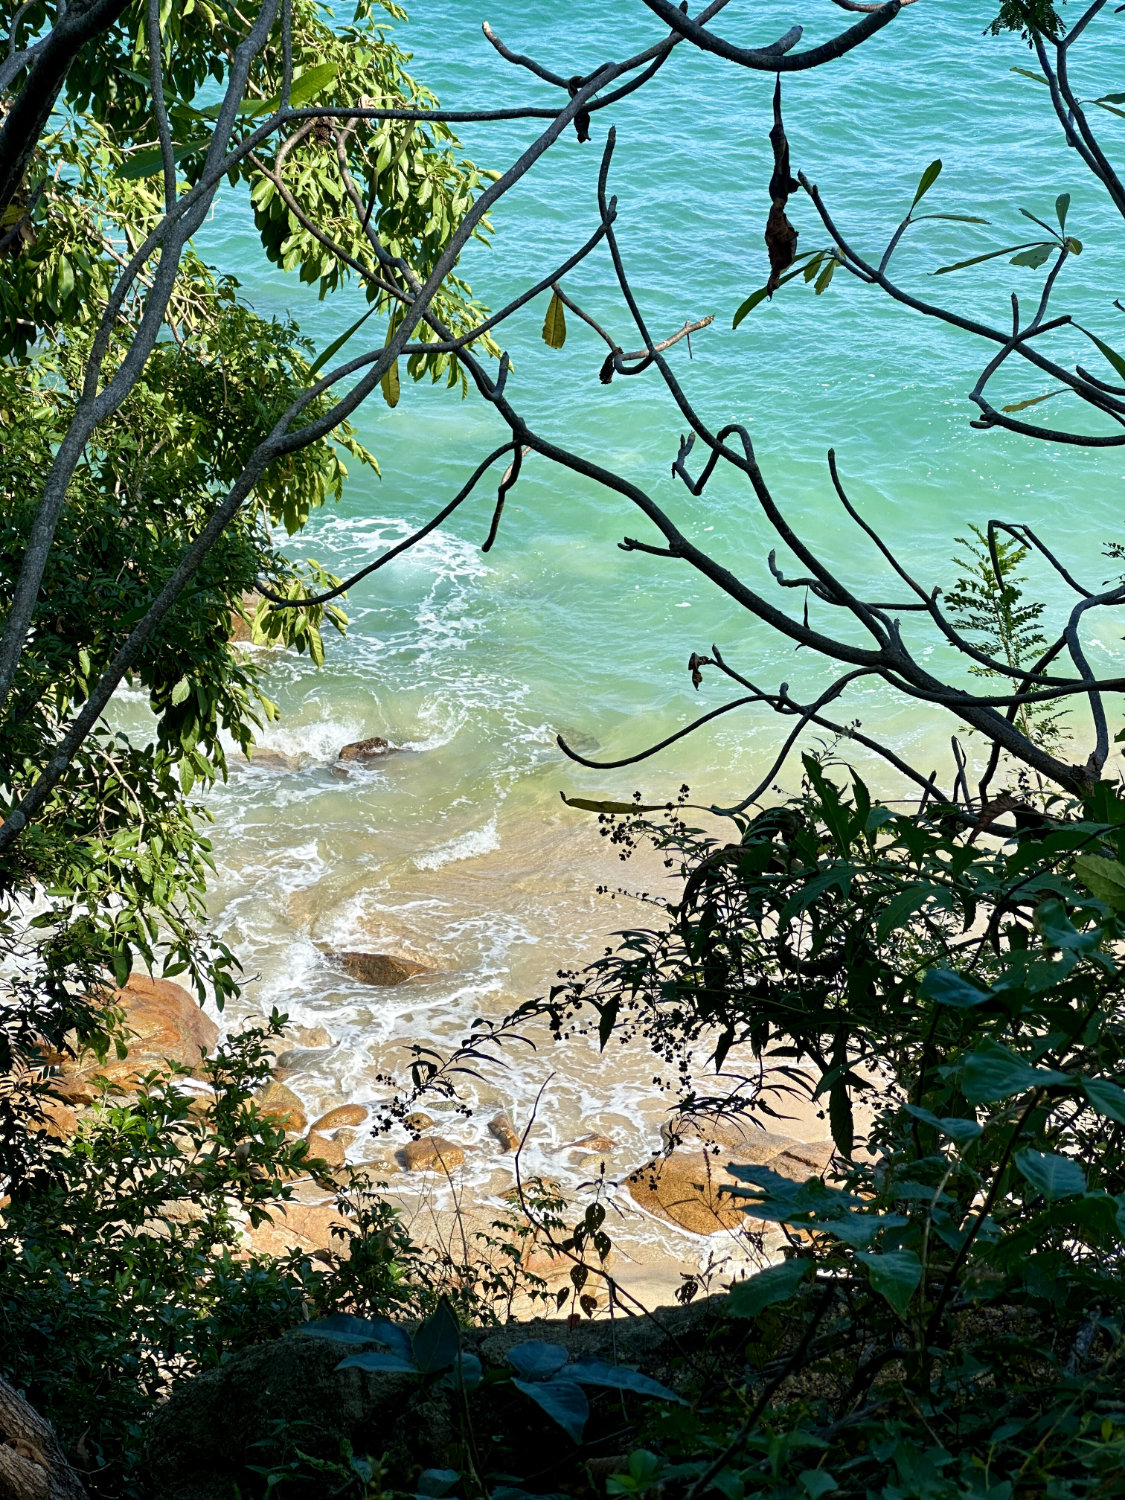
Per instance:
(458,851)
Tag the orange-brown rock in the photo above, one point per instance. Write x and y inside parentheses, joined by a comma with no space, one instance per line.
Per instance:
(167,1025)
(59,1120)
(433,1153)
(370,749)
(329,1151)
(303,1226)
(240,631)
(280,1103)
(343,1114)
(418,1121)
(502,1129)
(378,968)
(591,1143)
(686,1187)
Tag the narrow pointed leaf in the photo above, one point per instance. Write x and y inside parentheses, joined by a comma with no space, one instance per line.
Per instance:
(554,324)
(337,344)
(928,178)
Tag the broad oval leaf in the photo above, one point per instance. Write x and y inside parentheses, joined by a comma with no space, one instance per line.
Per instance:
(895,1275)
(536,1359)
(372,1359)
(948,988)
(562,1400)
(1053,1176)
(957,1127)
(994,1072)
(1106,1097)
(437,1341)
(617,1378)
(1103,878)
(747,1299)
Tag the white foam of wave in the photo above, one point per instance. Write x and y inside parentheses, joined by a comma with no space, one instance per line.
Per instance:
(464,846)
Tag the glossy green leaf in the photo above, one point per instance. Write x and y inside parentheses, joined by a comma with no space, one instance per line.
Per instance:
(1053,1176)
(311,82)
(180,691)
(149,163)
(1106,1097)
(1103,878)
(389,385)
(1111,355)
(1062,206)
(747,1299)
(947,988)
(563,1401)
(337,344)
(1034,257)
(995,1072)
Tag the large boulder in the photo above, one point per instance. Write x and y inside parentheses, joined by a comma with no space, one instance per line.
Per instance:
(378,968)
(433,1153)
(280,1103)
(687,1185)
(164,1023)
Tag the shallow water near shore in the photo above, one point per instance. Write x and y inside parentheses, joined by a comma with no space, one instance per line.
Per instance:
(456,850)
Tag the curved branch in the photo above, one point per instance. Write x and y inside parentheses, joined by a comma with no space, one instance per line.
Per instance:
(775,58)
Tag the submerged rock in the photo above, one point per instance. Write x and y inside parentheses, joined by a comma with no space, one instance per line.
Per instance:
(378,968)
(433,1153)
(502,1129)
(370,749)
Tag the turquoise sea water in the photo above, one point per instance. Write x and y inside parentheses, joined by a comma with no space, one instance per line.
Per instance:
(458,852)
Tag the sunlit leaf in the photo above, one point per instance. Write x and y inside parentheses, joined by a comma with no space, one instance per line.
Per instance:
(554,324)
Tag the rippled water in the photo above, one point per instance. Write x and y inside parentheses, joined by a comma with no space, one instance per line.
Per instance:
(458,851)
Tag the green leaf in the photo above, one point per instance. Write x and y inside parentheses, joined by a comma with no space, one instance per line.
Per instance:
(928,178)
(148,163)
(337,344)
(536,1359)
(83,661)
(895,1275)
(1033,257)
(747,1299)
(311,82)
(599,805)
(955,218)
(840,1117)
(1053,1176)
(1062,205)
(598,1372)
(180,691)
(390,387)
(554,324)
(824,280)
(976,260)
(1106,1097)
(994,1072)
(763,292)
(957,1127)
(562,1400)
(1035,77)
(1114,358)
(437,1341)
(187,775)
(947,988)
(1103,878)
(818,1482)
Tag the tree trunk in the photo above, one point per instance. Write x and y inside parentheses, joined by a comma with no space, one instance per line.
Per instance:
(33,1465)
